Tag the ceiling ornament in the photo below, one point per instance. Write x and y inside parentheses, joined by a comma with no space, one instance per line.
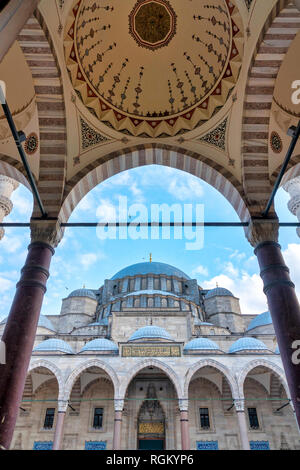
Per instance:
(89,136)
(31,143)
(217,137)
(151,69)
(276,142)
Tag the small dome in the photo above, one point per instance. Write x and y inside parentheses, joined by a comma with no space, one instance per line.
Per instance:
(54,345)
(83,293)
(150,268)
(150,332)
(247,344)
(44,322)
(199,344)
(260,320)
(218,291)
(100,344)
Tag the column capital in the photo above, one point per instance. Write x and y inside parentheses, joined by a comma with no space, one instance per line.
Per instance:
(183,404)
(46,231)
(239,404)
(119,404)
(7,180)
(62,406)
(262,230)
(292,186)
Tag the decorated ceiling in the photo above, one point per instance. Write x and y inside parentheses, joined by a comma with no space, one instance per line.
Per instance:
(153,68)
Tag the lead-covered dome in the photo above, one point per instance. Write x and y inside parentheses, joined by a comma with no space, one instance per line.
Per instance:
(218,291)
(260,320)
(150,268)
(83,293)
(247,344)
(100,344)
(201,344)
(150,332)
(54,345)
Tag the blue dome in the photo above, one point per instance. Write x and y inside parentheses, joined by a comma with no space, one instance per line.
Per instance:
(260,320)
(150,332)
(246,344)
(150,268)
(83,293)
(51,345)
(43,322)
(100,344)
(218,291)
(198,344)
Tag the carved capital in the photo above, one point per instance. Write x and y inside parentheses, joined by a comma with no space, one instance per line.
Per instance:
(46,231)
(183,404)
(239,404)
(7,180)
(119,404)
(294,204)
(262,230)
(62,406)
(6,205)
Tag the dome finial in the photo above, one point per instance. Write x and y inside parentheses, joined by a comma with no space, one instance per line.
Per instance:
(150,257)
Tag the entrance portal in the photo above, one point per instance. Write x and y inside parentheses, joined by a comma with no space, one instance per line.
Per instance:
(151,423)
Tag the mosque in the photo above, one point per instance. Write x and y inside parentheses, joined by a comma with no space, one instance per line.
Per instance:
(172,365)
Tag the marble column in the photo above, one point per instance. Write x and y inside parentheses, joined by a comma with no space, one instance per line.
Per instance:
(7,186)
(119,405)
(293,188)
(20,329)
(282,300)
(59,428)
(240,411)
(184,424)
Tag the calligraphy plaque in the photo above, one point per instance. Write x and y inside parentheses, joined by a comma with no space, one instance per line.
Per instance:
(151,351)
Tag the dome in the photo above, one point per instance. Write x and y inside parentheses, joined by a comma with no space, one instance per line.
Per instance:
(51,345)
(218,291)
(150,268)
(246,344)
(44,322)
(199,344)
(150,332)
(83,293)
(100,344)
(260,320)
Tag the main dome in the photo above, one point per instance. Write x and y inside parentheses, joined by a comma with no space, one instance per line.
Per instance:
(150,268)
(153,67)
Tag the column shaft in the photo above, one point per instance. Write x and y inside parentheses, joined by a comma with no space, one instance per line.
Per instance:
(19,335)
(59,430)
(117,430)
(243,429)
(285,311)
(185,432)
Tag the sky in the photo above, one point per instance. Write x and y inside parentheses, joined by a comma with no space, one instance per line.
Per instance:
(86,258)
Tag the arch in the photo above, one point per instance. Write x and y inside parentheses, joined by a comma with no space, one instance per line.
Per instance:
(292,172)
(86,365)
(259,94)
(52,368)
(147,363)
(13,169)
(216,365)
(35,39)
(263,363)
(152,154)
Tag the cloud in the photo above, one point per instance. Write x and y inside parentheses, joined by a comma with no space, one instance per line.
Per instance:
(106,211)
(22,202)
(200,270)
(185,190)
(11,244)
(5,284)
(88,259)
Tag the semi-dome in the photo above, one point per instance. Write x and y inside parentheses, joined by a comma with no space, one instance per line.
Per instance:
(218,291)
(247,344)
(100,344)
(83,293)
(260,320)
(150,268)
(201,344)
(150,332)
(53,345)
(44,322)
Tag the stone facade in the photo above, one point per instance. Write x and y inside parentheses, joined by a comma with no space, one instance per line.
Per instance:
(147,348)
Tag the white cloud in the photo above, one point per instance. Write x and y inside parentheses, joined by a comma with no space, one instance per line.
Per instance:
(88,259)
(185,190)
(22,203)
(5,284)
(106,211)
(11,244)
(200,270)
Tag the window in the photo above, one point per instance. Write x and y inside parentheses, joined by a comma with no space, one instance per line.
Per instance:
(49,418)
(204,418)
(253,418)
(98,418)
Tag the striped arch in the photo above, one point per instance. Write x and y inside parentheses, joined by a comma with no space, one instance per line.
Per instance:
(13,169)
(263,363)
(38,49)
(177,158)
(147,363)
(216,365)
(51,367)
(280,28)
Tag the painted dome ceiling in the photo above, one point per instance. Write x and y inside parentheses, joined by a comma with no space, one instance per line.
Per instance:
(153,68)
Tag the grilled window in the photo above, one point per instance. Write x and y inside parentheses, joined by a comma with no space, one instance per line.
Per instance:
(253,418)
(49,418)
(204,418)
(98,418)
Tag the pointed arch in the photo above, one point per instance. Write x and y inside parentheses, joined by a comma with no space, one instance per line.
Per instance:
(52,368)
